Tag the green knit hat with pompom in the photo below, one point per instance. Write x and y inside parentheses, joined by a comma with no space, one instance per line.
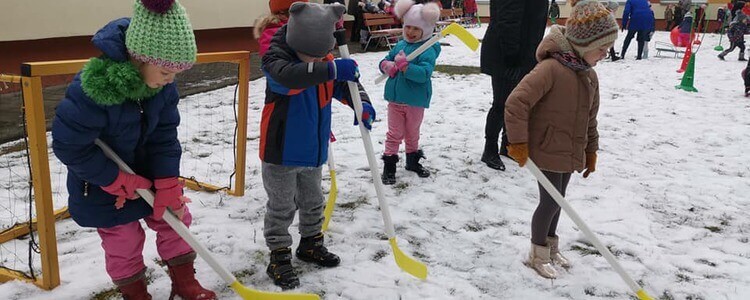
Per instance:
(160,34)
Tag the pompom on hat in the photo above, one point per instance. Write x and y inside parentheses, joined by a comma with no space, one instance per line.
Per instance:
(160,34)
(423,16)
(590,26)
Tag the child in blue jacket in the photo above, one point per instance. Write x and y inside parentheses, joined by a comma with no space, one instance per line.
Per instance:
(409,87)
(301,77)
(127,98)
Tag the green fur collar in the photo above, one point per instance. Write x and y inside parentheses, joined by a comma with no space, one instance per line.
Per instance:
(108,82)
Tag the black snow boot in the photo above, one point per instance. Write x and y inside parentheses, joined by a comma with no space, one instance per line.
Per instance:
(311,249)
(742,56)
(412,163)
(389,169)
(280,269)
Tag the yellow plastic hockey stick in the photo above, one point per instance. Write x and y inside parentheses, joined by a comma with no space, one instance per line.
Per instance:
(405,262)
(333,193)
(637,289)
(244,292)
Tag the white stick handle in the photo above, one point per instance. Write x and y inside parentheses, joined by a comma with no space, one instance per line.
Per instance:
(436,38)
(582,225)
(170,218)
(357,101)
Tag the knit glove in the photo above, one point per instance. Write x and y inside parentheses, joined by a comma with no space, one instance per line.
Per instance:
(519,152)
(401,61)
(590,164)
(169,194)
(343,69)
(368,115)
(389,67)
(124,187)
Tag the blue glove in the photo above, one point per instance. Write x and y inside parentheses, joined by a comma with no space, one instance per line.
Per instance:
(343,69)
(368,115)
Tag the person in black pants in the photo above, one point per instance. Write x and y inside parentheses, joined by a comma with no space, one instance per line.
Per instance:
(638,18)
(508,54)
(359,20)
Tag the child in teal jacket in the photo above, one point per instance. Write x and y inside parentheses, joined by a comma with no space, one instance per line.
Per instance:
(409,87)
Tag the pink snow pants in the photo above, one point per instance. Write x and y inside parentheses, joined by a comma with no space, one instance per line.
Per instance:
(403,124)
(123,245)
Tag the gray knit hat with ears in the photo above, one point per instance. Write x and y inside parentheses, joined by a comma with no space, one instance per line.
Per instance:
(311,26)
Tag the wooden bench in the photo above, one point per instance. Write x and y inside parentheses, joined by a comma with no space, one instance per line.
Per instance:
(447,16)
(669,48)
(383,28)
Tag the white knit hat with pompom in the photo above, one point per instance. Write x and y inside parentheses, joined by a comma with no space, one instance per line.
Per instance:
(423,16)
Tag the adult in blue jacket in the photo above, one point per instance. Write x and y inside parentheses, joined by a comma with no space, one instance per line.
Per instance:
(637,19)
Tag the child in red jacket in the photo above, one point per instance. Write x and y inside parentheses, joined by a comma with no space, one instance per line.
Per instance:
(267,26)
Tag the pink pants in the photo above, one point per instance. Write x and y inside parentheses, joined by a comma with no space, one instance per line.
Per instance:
(123,245)
(403,124)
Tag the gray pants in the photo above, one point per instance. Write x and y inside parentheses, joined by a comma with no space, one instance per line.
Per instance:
(544,221)
(288,189)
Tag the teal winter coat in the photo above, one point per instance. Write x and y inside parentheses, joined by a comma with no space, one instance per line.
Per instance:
(413,87)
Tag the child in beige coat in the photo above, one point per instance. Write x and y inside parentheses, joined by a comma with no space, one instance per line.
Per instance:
(551,117)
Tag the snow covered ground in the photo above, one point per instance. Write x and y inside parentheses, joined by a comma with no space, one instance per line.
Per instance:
(670,197)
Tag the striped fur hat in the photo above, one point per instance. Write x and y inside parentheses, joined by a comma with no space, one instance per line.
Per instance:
(590,26)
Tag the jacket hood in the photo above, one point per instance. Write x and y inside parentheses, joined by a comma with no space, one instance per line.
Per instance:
(554,41)
(111,40)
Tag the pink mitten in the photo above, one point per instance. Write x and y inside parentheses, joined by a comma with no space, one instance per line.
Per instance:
(401,62)
(124,187)
(389,68)
(169,194)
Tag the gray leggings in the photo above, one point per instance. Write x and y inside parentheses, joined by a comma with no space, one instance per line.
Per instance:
(289,189)
(544,221)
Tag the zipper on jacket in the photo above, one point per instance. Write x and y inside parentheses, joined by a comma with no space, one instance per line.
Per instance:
(85,188)
(320,145)
(144,123)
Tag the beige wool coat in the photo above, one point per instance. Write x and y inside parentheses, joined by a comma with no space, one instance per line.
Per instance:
(554,109)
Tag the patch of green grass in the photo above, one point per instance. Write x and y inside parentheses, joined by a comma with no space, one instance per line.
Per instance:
(457,70)
(474,226)
(379,255)
(419,255)
(683,278)
(354,204)
(244,273)
(106,294)
(705,262)
(666,296)
(585,250)
(17,146)
(714,229)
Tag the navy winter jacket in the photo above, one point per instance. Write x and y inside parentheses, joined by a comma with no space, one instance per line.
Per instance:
(637,15)
(143,133)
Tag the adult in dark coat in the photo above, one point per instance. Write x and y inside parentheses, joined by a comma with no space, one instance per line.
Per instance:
(359,19)
(508,53)
(637,19)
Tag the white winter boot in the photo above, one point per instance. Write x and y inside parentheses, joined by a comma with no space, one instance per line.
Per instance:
(554,252)
(540,261)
